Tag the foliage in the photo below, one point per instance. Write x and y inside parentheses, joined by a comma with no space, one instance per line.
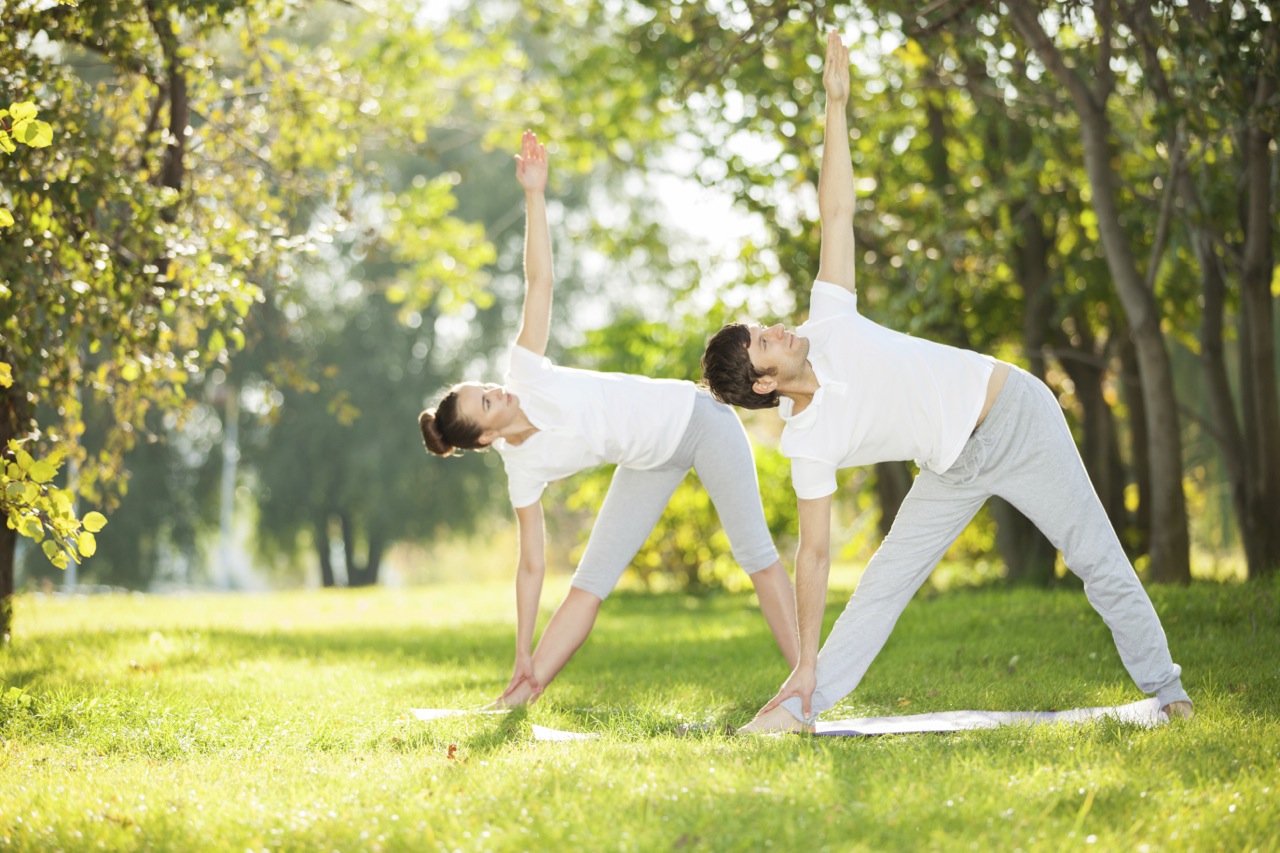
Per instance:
(127,720)
(202,157)
(33,506)
(41,511)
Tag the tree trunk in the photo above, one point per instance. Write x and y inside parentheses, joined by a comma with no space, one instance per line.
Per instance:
(8,553)
(1137,535)
(13,413)
(358,575)
(893,481)
(1259,395)
(367,575)
(1222,407)
(1028,555)
(1170,546)
(1101,447)
(322,551)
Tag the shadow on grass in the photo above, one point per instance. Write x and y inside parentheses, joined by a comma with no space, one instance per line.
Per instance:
(505,729)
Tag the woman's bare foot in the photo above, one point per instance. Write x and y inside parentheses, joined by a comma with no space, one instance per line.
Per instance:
(522,694)
(777,720)
(1179,710)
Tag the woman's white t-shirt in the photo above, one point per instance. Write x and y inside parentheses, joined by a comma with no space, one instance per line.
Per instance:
(883,396)
(585,418)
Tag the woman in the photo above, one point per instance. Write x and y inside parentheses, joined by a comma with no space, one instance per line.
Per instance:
(548,422)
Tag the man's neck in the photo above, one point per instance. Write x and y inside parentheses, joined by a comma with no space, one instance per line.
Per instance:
(800,391)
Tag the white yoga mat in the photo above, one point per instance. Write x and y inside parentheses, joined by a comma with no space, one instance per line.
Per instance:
(1146,713)
(539,732)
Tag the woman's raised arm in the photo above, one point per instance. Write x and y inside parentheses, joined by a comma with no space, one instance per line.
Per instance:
(531,172)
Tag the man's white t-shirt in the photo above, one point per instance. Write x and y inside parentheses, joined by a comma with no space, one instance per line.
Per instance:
(585,418)
(883,396)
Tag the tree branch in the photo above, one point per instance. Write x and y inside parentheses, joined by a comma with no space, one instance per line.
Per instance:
(1026,20)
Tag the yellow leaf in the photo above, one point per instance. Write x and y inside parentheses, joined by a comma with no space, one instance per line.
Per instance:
(22,111)
(37,134)
(94,521)
(86,543)
(31,528)
(43,472)
(6,219)
(6,372)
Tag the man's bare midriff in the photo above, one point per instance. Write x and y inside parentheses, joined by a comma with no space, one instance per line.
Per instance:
(994,384)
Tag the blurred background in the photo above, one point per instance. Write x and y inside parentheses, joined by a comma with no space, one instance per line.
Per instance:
(265,235)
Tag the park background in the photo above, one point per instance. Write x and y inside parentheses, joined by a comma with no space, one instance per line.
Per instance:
(251,240)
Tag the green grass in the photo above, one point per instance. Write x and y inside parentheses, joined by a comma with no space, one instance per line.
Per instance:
(281,722)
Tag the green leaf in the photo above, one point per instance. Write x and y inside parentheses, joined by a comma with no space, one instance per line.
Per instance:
(86,543)
(20,491)
(43,472)
(94,521)
(24,460)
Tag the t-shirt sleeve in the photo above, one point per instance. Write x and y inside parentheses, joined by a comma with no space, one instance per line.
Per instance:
(812,479)
(526,365)
(829,300)
(524,489)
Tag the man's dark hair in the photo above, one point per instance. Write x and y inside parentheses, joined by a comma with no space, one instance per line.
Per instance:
(728,372)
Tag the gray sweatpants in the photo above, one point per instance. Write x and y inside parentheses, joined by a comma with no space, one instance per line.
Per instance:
(1024,453)
(715,445)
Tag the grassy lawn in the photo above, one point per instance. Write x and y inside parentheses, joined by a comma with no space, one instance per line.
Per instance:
(282,722)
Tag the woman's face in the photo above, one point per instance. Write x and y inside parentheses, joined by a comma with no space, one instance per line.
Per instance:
(488,406)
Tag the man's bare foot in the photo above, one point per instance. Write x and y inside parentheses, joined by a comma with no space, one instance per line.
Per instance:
(777,720)
(1179,710)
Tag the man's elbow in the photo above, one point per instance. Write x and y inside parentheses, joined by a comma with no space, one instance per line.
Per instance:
(813,556)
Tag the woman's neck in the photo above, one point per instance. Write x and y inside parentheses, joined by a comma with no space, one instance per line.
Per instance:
(519,431)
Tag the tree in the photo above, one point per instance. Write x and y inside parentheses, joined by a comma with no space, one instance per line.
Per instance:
(191,150)
(1221,117)
(1090,93)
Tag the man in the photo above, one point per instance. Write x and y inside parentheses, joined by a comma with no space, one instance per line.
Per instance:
(852,392)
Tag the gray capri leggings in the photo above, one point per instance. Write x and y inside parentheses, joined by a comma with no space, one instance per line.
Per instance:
(715,445)
(1024,453)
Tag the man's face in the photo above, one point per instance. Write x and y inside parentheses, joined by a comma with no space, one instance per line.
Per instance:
(489,406)
(778,352)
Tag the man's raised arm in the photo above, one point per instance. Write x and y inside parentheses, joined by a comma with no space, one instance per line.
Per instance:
(835,178)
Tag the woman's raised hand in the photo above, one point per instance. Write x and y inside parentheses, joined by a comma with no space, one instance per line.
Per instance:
(835,73)
(531,163)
